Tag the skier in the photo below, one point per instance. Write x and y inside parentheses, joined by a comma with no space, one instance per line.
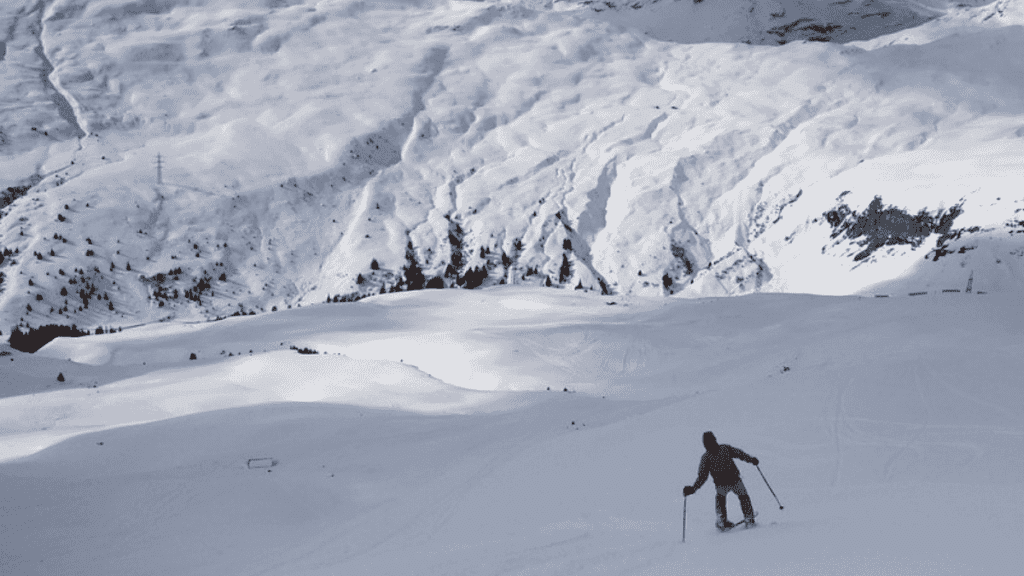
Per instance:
(718,462)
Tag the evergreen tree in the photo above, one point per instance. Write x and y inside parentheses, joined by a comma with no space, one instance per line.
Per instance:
(413,274)
(565,272)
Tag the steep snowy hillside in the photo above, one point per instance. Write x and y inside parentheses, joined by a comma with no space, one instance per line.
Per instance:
(205,158)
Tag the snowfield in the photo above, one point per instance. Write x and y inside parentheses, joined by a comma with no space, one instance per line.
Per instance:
(727,184)
(422,438)
(336,149)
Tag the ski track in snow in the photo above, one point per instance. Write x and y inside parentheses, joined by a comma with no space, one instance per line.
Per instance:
(916,434)
(838,425)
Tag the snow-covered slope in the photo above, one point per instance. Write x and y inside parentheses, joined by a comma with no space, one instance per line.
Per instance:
(315,150)
(424,439)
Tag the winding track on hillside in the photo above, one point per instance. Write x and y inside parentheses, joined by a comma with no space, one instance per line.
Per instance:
(838,422)
(61,98)
(888,469)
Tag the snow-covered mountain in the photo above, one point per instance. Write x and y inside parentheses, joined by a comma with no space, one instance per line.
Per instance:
(328,150)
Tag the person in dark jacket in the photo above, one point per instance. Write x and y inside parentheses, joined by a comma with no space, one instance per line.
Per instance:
(717,461)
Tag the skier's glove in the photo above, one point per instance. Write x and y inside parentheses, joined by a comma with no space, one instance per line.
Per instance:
(755,461)
(688,490)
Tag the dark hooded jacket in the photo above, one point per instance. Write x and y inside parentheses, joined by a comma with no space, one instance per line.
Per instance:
(717,461)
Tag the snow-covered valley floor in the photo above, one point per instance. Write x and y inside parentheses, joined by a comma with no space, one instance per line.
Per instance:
(422,438)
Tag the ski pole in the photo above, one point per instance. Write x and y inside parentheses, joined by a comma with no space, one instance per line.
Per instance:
(684,519)
(766,484)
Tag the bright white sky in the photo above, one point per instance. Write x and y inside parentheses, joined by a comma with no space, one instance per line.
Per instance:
(423,439)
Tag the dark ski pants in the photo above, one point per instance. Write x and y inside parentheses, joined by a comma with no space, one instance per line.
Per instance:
(741,491)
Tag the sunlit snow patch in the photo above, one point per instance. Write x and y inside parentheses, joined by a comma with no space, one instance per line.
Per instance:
(33,422)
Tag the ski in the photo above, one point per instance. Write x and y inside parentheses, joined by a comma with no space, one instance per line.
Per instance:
(745,523)
(730,526)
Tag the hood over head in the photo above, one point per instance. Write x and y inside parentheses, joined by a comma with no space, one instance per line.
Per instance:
(710,442)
